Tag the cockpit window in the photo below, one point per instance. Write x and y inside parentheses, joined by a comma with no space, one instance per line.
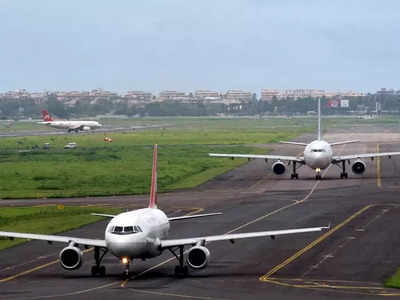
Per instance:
(317,150)
(126,229)
(117,229)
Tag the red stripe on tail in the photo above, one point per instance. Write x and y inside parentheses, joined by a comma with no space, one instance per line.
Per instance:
(153,189)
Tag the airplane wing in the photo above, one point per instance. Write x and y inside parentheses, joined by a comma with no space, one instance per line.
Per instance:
(55,238)
(293,143)
(103,215)
(252,156)
(193,216)
(344,142)
(235,236)
(340,158)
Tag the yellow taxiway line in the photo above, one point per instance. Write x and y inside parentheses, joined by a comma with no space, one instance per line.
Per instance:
(312,244)
(36,268)
(378,169)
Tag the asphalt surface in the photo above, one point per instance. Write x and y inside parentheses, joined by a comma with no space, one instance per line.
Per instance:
(349,261)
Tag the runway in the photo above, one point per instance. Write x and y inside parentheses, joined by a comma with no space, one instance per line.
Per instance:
(349,261)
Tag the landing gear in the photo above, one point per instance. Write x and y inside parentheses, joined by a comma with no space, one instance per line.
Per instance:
(98,269)
(318,175)
(181,270)
(294,174)
(344,173)
(126,261)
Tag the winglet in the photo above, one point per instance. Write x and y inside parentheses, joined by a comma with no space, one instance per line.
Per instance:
(153,189)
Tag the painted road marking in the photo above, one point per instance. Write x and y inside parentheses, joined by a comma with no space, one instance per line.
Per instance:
(36,268)
(378,169)
(312,244)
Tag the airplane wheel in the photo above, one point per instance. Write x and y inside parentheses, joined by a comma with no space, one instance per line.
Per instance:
(95,270)
(345,175)
(296,176)
(102,271)
(181,271)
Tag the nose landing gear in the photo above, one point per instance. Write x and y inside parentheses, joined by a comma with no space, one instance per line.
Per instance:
(318,175)
(125,261)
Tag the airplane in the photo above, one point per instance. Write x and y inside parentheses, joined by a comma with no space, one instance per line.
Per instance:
(69,125)
(317,155)
(142,234)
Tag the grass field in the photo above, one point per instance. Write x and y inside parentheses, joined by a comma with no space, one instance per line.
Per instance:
(46,219)
(394,281)
(124,166)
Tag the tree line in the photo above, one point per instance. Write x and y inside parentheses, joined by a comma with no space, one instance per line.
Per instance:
(25,108)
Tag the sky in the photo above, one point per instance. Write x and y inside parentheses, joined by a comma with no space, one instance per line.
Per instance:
(189,45)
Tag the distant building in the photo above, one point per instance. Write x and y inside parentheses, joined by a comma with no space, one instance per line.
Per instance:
(172,95)
(139,96)
(269,94)
(206,94)
(237,96)
(384,91)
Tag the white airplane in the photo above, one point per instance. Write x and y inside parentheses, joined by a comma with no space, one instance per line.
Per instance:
(142,234)
(318,155)
(69,125)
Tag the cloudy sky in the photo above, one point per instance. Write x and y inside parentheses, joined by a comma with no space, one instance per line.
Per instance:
(210,44)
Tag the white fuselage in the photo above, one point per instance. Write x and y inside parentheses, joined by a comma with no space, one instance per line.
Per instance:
(72,124)
(137,234)
(318,154)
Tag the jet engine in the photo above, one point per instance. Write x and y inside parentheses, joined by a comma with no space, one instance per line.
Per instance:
(71,258)
(278,167)
(197,257)
(86,128)
(358,167)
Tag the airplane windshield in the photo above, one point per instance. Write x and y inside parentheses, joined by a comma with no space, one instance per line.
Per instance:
(317,150)
(125,229)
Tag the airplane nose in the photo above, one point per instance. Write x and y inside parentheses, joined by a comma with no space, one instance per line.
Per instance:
(126,246)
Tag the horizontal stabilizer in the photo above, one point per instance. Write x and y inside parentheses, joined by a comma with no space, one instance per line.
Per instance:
(103,215)
(193,216)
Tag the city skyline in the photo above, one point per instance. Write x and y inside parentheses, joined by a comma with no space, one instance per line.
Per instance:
(155,45)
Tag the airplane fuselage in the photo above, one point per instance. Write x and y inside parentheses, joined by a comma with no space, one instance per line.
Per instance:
(318,154)
(137,234)
(72,125)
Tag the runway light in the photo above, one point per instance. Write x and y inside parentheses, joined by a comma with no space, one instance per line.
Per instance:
(125,260)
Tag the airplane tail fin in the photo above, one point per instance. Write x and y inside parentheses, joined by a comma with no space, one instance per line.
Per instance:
(319,119)
(153,189)
(46,116)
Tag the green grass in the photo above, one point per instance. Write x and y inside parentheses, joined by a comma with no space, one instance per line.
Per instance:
(394,281)
(97,168)
(49,219)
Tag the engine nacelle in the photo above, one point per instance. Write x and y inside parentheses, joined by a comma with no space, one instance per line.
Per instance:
(71,258)
(85,128)
(197,257)
(358,167)
(278,167)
